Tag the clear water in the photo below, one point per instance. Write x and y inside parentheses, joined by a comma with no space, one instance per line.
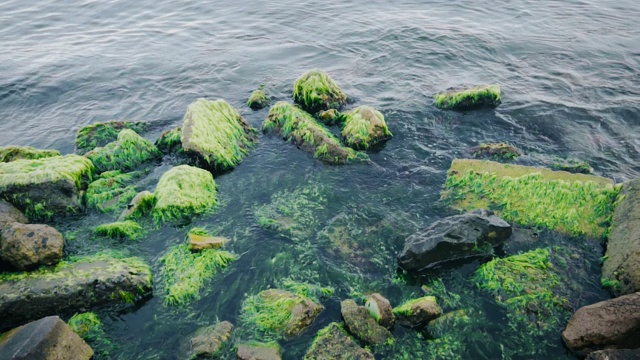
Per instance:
(569,70)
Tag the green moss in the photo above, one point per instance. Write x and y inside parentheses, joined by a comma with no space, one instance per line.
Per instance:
(271,311)
(572,166)
(475,97)
(198,231)
(406,308)
(258,100)
(127,229)
(315,91)
(363,127)
(613,285)
(573,204)
(128,152)
(183,192)
(303,130)
(311,291)
(184,273)
(499,151)
(169,141)
(216,132)
(100,134)
(111,191)
(140,205)
(90,329)
(12,153)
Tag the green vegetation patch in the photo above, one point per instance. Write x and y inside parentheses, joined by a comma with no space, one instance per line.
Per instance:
(475,97)
(315,91)
(100,134)
(169,141)
(182,192)
(572,166)
(12,153)
(300,128)
(184,273)
(258,99)
(112,191)
(215,132)
(311,291)
(90,329)
(574,204)
(498,151)
(128,152)
(363,127)
(140,205)
(127,229)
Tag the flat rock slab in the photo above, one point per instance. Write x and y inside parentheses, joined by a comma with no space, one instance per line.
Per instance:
(361,325)
(333,342)
(48,338)
(207,342)
(258,352)
(26,246)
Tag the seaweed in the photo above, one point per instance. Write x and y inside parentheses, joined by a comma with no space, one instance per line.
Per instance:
(475,97)
(111,191)
(315,91)
(100,134)
(12,153)
(364,127)
(258,99)
(140,205)
(127,229)
(169,141)
(128,152)
(572,166)
(90,329)
(498,151)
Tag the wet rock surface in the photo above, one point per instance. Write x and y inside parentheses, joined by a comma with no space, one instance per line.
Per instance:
(258,351)
(380,310)
(26,246)
(333,342)
(417,312)
(207,342)
(615,354)
(361,325)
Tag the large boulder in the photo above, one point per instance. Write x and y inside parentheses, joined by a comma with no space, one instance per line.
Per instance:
(259,351)
(467,99)
(100,134)
(621,268)
(48,338)
(364,127)
(417,312)
(26,246)
(129,151)
(315,90)
(9,214)
(454,238)
(72,286)
(361,325)
(333,342)
(207,342)
(611,324)
(615,354)
(12,153)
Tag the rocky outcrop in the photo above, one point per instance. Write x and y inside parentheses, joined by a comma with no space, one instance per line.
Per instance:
(26,246)
(380,310)
(333,342)
(207,342)
(100,134)
(417,312)
(361,325)
(129,151)
(611,324)
(315,91)
(454,238)
(364,127)
(47,338)
(615,354)
(258,351)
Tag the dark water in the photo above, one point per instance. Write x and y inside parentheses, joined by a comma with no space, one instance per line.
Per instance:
(569,70)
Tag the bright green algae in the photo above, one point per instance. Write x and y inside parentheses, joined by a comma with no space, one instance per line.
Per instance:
(100,134)
(475,97)
(90,329)
(111,192)
(363,127)
(169,141)
(129,151)
(258,99)
(127,229)
(315,91)
(12,153)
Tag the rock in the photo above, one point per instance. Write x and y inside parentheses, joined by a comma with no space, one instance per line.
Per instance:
(127,229)
(258,351)
(9,214)
(26,246)
(417,312)
(333,342)
(610,324)
(47,338)
(315,91)
(207,342)
(183,192)
(572,166)
(361,325)
(140,205)
(72,286)
(454,238)
(129,151)
(200,242)
(100,134)
(500,151)
(169,141)
(12,153)
(621,267)
(615,354)
(364,127)
(44,187)
(216,134)
(468,99)
(329,117)
(258,100)
(112,191)
(380,310)
(300,128)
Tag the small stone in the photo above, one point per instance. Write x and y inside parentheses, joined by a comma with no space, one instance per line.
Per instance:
(258,351)
(329,117)
(380,310)
(362,326)
(417,312)
(333,343)
(208,341)
(201,242)
(258,100)
(26,246)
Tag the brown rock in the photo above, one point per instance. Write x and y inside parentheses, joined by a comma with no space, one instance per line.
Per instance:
(258,351)
(333,343)
(417,312)
(26,246)
(208,341)
(9,214)
(380,310)
(200,242)
(362,326)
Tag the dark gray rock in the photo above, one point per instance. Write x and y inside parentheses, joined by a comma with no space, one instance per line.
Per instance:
(333,343)
(257,351)
(207,342)
(361,325)
(27,246)
(615,354)
(454,238)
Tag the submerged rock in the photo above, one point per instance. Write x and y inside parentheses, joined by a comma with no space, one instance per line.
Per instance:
(129,151)
(333,342)
(47,338)
(127,229)
(301,129)
(454,238)
(361,325)
(207,342)
(12,153)
(112,191)
(615,354)
(380,310)
(84,283)
(169,141)
(140,205)
(259,351)
(315,91)
(499,151)
(329,117)
(611,324)
(100,134)
(472,98)
(418,312)
(9,214)
(215,132)
(44,187)
(258,100)
(364,127)
(26,246)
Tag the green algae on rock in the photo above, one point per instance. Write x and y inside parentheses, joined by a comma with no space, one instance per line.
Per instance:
(497,151)
(182,192)
(111,191)
(333,342)
(574,204)
(169,141)
(140,205)
(90,329)
(184,273)
(216,133)
(129,151)
(100,134)
(259,351)
(572,166)
(258,99)
(12,153)
(417,312)
(127,229)
(361,325)
(208,342)
(300,128)
(329,117)
(44,187)
(475,97)
(315,91)
(364,127)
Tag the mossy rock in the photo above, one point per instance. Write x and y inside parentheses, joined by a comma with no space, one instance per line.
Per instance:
(572,166)
(301,129)
(127,229)
(100,134)
(333,342)
(364,127)
(169,141)
(129,151)
(417,312)
(315,91)
(12,153)
(183,192)
(112,191)
(361,325)
(468,99)
(497,151)
(44,187)
(329,117)
(259,351)
(208,341)
(216,134)
(91,330)
(258,100)
(573,204)
(141,205)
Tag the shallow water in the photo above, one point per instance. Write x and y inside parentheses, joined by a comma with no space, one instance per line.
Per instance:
(569,70)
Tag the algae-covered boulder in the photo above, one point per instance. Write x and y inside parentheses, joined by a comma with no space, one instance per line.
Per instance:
(259,351)
(573,204)
(26,246)
(361,325)
(207,342)
(572,166)
(129,151)
(113,190)
(44,187)
(364,127)
(47,338)
(183,192)
(315,91)
(81,283)
(280,312)
(258,100)
(12,153)
(417,312)
(100,134)
(140,205)
(333,342)
(301,129)
(380,310)
(169,141)
(467,99)
(497,151)
(215,132)
(127,229)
